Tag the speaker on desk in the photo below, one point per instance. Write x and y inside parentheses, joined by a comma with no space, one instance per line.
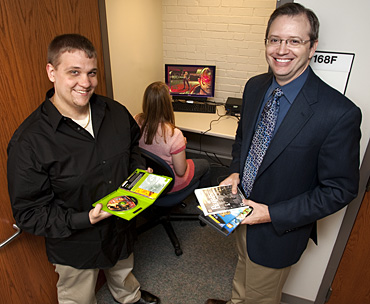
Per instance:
(233,106)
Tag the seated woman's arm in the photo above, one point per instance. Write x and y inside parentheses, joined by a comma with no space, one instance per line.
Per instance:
(179,163)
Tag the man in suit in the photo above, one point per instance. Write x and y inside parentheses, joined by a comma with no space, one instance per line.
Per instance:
(310,168)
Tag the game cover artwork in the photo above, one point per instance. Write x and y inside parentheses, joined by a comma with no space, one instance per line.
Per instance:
(190,80)
(135,194)
(219,199)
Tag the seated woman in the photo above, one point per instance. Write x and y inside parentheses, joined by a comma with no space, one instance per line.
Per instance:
(161,137)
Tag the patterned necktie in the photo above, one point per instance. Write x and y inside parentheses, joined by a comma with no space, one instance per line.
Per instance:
(261,140)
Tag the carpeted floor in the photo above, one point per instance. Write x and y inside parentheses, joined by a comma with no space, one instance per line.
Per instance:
(204,270)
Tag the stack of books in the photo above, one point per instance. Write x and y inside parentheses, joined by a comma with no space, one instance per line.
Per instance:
(222,209)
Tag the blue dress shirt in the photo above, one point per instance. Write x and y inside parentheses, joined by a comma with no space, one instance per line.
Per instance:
(290,90)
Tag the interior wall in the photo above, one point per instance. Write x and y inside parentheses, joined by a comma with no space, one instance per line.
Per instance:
(342,31)
(227,34)
(143,35)
(135,46)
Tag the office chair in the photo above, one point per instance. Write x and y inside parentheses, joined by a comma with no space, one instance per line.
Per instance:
(161,209)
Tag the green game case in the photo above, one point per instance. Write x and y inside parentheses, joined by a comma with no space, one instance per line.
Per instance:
(136,193)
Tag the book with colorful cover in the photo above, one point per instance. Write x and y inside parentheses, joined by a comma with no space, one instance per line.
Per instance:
(219,199)
(136,193)
(228,216)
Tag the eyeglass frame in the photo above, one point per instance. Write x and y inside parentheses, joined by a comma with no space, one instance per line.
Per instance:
(302,42)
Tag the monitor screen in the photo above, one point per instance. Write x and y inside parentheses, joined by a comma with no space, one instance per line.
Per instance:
(195,82)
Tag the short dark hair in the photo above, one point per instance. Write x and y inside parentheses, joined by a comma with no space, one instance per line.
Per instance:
(294,9)
(68,43)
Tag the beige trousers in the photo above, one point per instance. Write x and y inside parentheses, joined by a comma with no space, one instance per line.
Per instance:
(77,286)
(252,283)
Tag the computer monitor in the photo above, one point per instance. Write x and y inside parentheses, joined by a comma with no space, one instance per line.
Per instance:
(190,82)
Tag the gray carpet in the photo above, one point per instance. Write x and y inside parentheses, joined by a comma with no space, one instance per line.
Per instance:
(205,269)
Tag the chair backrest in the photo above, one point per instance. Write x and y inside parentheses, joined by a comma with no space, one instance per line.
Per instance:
(159,167)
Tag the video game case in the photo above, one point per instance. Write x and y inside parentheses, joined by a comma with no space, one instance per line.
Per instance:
(212,222)
(216,221)
(136,193)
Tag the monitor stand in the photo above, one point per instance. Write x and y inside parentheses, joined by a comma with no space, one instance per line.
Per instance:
(189,99)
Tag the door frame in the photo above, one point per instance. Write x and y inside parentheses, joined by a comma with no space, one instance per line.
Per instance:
(345,230)
(105,47)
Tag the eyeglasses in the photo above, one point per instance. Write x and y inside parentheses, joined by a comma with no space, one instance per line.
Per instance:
(290,42)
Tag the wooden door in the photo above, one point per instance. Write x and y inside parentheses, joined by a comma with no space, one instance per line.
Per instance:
(351,282)
(26,28)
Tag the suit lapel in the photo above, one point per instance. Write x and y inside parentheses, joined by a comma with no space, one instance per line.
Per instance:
(250,115)
(298,115)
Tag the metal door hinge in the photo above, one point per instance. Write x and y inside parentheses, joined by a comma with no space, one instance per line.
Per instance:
(328,294)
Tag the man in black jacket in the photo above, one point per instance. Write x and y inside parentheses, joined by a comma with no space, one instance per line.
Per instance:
(73,150)
(310,168)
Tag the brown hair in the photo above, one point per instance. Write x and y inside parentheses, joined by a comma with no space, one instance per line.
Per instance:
(68,43)
(157,111)
(295,9)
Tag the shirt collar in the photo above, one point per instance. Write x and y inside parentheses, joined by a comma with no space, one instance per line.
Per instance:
(291,89)
(54,115)
(51,111)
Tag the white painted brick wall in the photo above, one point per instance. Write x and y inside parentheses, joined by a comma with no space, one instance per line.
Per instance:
(225,33)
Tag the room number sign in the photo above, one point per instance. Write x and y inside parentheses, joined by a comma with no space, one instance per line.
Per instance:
(333,67)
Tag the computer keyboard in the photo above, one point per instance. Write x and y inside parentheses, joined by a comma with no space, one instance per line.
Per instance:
(194,107)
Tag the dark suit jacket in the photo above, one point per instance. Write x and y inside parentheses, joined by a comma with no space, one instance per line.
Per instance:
(310,170)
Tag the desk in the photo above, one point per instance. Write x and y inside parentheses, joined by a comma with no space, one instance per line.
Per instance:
(224,127)
(219,136)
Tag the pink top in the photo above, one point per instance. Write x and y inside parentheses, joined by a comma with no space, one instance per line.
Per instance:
(174,144)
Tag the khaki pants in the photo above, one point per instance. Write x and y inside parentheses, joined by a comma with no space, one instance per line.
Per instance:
(252,283)
(77,286)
